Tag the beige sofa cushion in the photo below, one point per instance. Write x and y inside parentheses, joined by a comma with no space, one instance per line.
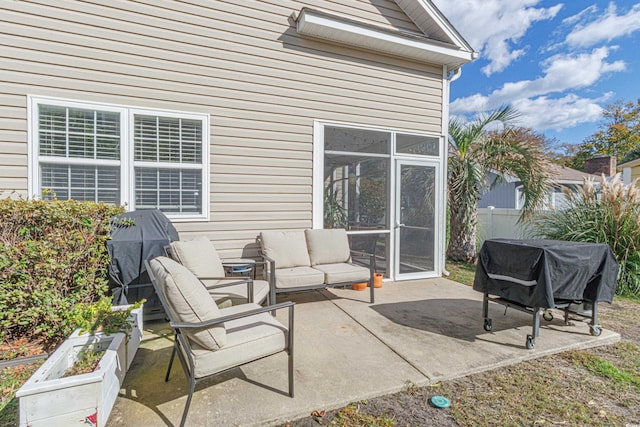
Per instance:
(198,255)
(189,301)
(286,248)
(342,272)
(248,339)
(327,246)
(298,277)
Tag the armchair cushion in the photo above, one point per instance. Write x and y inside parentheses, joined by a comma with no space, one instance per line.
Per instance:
(229,295)
(342,272)
(286,248)
(327,246)
(248,338)
(189,302)
(198,255)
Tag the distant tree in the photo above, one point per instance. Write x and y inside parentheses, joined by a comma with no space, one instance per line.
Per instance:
(474,150)
(618,135)
(573,156)
(631,155)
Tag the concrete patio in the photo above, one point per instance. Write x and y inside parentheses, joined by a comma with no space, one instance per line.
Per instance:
(346,349)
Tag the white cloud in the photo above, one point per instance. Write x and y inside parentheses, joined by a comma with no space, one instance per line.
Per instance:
(532,98)
(493,26)
(544,113)
(607,27)
(580,16)
(562,72)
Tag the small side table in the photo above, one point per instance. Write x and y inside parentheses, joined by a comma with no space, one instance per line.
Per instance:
(240,267)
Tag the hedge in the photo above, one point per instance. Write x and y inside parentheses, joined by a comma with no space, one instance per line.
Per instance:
(52,257)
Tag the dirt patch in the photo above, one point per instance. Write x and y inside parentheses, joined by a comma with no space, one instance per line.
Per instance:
(24,347)
(410,407)
(622,316)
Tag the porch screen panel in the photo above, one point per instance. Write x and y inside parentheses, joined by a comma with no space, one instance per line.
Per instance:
(417,145)
(356,192)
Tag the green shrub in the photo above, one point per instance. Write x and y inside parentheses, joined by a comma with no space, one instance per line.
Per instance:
(609,215)
(52,257)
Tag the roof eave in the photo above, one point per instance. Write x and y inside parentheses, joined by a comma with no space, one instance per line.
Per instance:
(343,30)
(629,164)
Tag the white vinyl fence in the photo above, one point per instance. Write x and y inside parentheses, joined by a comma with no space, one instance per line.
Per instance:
(499,222)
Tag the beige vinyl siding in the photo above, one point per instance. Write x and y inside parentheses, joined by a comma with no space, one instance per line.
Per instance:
(240,61)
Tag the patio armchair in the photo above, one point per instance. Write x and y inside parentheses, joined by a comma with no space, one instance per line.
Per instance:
(209,340)
(201,258)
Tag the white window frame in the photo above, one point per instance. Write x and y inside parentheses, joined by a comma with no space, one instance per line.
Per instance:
(126,163)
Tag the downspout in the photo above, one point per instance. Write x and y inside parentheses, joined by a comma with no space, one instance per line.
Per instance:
(448,78)
(455,76)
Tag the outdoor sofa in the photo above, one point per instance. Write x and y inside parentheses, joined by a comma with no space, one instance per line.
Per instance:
(312,259)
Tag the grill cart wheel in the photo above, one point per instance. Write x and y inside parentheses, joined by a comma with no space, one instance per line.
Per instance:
(531,342)
(487,325)
(595,330)
(548,316)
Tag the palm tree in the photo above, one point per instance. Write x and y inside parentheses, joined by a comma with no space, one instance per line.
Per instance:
(473,152)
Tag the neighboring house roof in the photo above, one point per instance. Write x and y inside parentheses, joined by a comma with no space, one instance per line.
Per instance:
(565,175)
(440,42)
(560,175)
(630,164)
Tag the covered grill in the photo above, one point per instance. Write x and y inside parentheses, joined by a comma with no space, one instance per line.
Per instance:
(536,275)
(136,237)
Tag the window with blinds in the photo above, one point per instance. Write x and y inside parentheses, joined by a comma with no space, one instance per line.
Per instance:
(120,155)
(168,163)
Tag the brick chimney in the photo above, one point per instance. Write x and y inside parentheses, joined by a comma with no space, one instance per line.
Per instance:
(601,164)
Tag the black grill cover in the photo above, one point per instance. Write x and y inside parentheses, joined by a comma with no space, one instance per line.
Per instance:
(544,273)
(136,237)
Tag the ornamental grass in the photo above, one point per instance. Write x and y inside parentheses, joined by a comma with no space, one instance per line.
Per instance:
(605,213)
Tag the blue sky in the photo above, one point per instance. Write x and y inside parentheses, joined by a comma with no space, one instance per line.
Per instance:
(558,63)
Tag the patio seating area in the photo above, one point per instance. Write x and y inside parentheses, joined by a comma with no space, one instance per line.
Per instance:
(421,332)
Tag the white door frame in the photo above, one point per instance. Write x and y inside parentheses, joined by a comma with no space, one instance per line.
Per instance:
(438,211)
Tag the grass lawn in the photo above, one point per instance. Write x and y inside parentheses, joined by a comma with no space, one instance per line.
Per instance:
(461,272)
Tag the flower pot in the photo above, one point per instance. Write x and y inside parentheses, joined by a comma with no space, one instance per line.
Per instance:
(377,280)
(359,286)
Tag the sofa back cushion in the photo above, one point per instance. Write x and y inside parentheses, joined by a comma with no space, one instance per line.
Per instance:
(328,246)
(189,301)
(198,255)
(287,248)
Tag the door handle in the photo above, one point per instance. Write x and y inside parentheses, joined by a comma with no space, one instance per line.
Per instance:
(398,225)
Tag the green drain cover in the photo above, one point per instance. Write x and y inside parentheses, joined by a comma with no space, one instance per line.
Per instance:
(440,402)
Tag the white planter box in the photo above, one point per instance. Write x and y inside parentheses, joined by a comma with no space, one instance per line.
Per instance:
(46,399)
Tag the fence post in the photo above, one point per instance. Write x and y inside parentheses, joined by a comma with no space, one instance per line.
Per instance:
(490,221)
